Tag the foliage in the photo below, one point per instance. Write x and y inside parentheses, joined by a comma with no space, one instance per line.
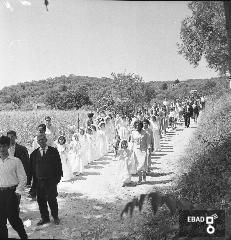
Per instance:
(209,164)
(67,100)
(105,93)
(204,35)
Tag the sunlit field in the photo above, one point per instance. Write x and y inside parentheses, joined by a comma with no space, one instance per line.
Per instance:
(25,123)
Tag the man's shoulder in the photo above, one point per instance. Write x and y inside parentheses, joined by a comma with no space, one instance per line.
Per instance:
(14,159)
(52,149)
(19,146)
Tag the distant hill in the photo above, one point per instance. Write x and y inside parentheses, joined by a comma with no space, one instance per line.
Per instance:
(31,95)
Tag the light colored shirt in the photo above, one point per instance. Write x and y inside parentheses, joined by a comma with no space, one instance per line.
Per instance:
(11,150)
(51,132)
(140,140)
(12,173)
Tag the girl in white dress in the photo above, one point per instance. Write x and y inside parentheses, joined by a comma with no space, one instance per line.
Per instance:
(63,152)
(102,140)
(95,142)
(74,155)
(124,164)
(156,133)
(83,146)
(89,147)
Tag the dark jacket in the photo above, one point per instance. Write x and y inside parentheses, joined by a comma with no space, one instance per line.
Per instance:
(188,113)
(22,153)
(53,155)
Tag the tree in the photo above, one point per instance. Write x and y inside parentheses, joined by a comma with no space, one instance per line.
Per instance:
(52,99)
(128,87)
(177,81)
(62,88)
(204,35)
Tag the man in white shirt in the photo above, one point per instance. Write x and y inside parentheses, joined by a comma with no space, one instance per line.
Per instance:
(51,131)
(12,183)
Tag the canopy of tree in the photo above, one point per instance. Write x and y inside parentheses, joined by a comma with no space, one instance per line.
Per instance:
(204,35)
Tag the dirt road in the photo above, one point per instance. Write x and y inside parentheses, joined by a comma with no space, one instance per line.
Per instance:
(90,207)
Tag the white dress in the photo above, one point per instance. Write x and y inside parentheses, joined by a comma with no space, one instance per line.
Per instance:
(66,166)
(89,148)
(123,171)
(74,156)
(124,133)
(141,142)
(83,149)
(102,143)
(156,135)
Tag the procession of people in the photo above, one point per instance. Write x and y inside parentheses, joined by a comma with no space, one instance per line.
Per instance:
(54,159)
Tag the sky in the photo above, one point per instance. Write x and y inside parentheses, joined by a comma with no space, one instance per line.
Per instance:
(93,38)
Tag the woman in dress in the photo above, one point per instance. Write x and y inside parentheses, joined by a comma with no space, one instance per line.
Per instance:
(95,142)
(156,133)
(74,155)
(90,153)
(102,139)
(140,145)
(63,152)
(83,146)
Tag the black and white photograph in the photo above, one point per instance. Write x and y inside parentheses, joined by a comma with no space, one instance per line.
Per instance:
(115,120)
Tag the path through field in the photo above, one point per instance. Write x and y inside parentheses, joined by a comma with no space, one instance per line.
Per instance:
(90,207)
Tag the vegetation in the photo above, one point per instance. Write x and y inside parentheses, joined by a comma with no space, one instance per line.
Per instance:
(121,93)
(204,35)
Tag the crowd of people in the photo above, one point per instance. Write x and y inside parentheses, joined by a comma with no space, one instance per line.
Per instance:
(53,159)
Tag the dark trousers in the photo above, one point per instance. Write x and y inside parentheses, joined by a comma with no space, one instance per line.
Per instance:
(9,210)
(47,193)
(187,120)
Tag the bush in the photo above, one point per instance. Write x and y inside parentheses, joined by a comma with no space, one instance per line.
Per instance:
(208,164)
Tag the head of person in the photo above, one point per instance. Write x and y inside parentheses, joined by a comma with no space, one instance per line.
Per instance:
(90,115)
(154,118)
(81,131)
(107,119)
(138,125)
(146,123)
(48,120)
(89,130)
(124,144)
(75,137)
(117,136)
(93,127)
(61,140)
(101,125)
(42,128)
(42,140)
(12,136)
(4,146)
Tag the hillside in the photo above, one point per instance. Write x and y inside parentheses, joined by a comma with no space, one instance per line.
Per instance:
(31,95)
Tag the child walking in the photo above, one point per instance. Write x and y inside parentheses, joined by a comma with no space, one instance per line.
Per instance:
(123,157)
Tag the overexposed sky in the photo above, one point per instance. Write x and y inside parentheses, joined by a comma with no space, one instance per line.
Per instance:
(92,38)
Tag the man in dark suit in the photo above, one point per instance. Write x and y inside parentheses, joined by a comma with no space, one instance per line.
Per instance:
(187,114)
(19,151)
(46,169)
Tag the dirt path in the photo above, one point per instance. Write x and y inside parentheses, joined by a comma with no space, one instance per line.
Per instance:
(90,207)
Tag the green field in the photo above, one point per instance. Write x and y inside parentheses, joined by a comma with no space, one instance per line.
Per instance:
(25,122)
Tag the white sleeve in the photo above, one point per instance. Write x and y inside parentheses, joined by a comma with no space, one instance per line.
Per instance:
(22,178)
